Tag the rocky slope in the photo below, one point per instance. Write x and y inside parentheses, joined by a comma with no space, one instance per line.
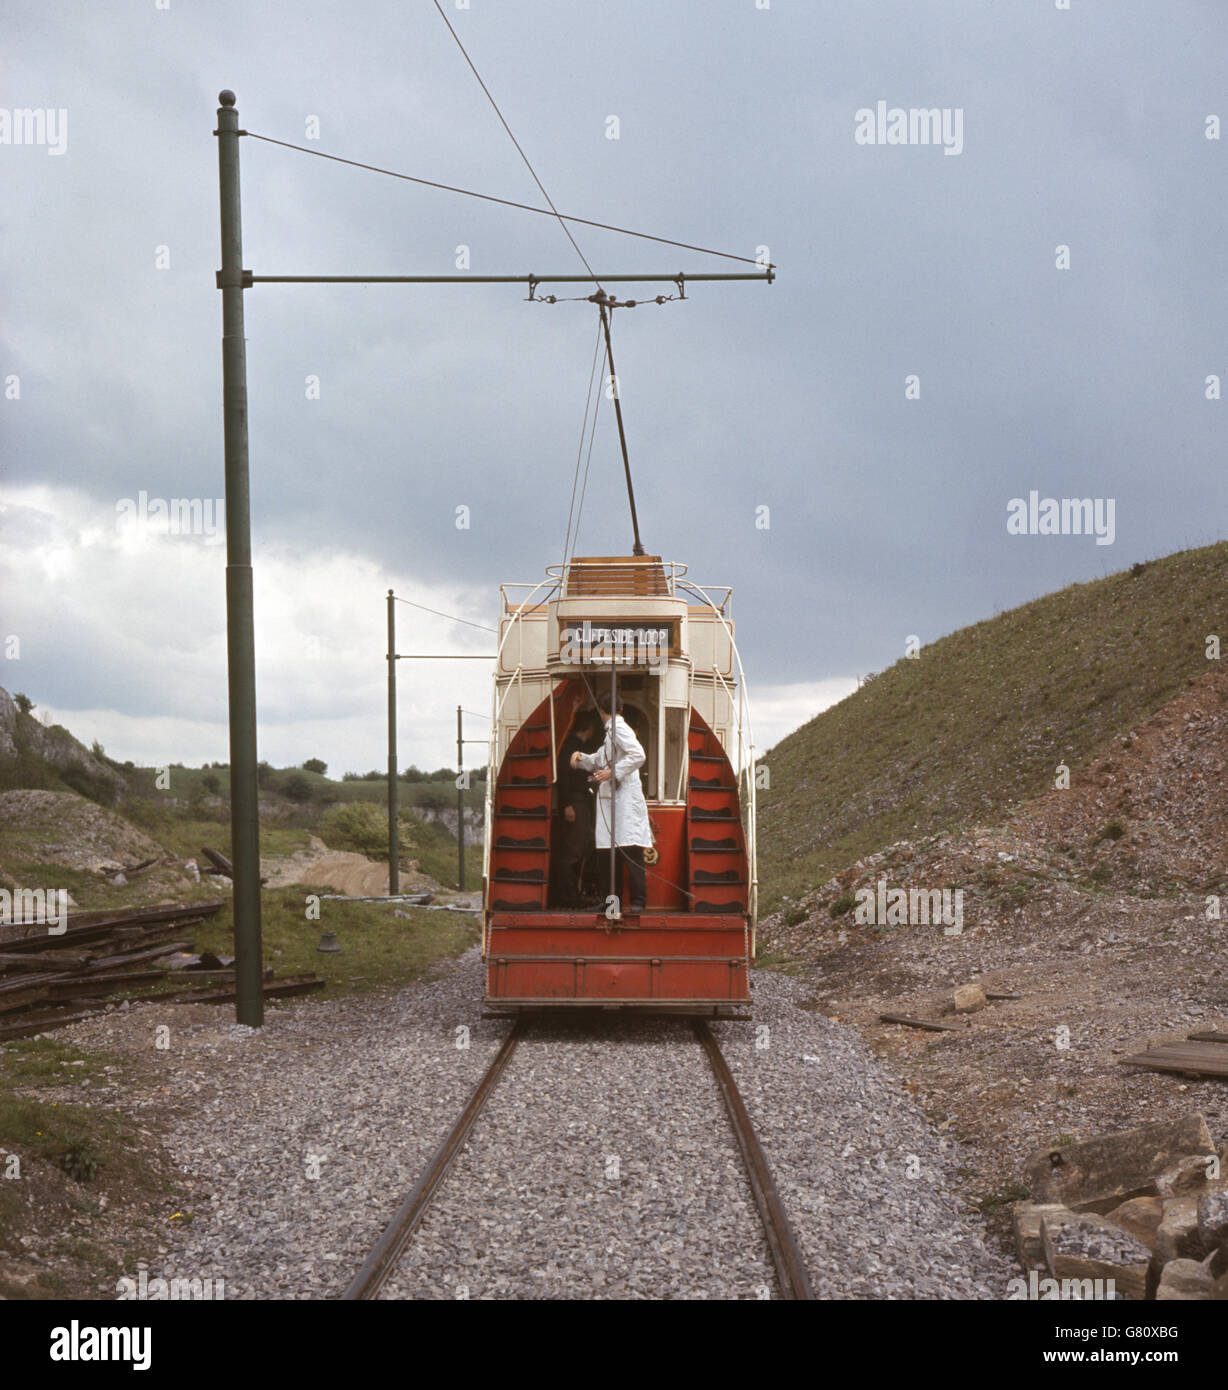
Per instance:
(1098,905)
(31,750)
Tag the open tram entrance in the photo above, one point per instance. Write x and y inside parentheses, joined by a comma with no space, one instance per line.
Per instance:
(580,872)
(544,861)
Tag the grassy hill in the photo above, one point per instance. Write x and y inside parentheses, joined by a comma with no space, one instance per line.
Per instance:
(981,719)
(183,808)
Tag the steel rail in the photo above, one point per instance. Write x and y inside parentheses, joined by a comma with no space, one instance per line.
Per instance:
(782,1243)
(381,1262)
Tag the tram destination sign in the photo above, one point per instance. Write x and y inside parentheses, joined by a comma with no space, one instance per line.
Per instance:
(617,644)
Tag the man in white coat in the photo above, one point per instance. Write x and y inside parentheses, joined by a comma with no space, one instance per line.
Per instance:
(616,764)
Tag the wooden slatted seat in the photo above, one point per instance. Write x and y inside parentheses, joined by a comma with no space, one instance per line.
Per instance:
(617,576)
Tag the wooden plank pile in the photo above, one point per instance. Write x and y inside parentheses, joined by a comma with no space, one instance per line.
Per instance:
(49,981)
(1202,1054)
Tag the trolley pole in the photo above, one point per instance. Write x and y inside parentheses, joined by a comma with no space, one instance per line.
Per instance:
(394,838)
(240,623)
(614,787)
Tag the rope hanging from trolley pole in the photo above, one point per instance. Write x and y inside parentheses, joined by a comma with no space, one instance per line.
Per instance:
(607,304)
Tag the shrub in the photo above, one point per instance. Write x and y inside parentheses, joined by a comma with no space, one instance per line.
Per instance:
(362,826)
(210,783)
(23,702)
(1101,873)
(297,788)
(795,915)
(844,903)
(316,765)
(1113,831)
(91,785)
(81,1160)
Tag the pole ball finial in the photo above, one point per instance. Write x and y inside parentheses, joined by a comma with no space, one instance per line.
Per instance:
(226,97)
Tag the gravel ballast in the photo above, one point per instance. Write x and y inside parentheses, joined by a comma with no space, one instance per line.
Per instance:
(603,1165)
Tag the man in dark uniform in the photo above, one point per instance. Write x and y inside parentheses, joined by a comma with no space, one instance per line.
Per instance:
(576,805)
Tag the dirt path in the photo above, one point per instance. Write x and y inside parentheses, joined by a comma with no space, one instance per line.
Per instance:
(341,870)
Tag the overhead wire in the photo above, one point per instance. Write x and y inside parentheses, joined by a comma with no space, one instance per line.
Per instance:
(502,121)
(450,616)
(510,203)
(592,438)
(575,481)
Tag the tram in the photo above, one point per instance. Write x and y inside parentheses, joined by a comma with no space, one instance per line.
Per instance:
(633,626)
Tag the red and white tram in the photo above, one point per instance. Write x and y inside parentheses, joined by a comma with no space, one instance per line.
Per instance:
(634,625)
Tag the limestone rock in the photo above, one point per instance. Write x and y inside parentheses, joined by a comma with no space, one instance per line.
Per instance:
(1184,1280)
(1102,1173)
(1083,1245)
(1187,1175)
(1140,1217)
(1213,1217)
(969,998)
(1029,1246)
(54,745)
(1177,1234)
(8,723)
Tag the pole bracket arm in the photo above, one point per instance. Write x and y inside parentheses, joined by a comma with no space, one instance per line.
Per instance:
(234,279)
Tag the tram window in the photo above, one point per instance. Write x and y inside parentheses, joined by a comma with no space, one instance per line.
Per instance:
(643,730)
(675,738)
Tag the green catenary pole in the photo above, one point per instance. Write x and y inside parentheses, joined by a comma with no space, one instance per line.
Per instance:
(394,845)
(460,802)
(240,629)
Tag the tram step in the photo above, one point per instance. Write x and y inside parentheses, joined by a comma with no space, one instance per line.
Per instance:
(538,842)
(717,876)
(699,846)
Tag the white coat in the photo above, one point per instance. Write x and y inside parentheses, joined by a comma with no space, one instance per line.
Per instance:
(630,811)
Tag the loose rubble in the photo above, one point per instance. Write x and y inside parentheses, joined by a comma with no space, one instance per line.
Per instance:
(1154,1244)
(602,1167)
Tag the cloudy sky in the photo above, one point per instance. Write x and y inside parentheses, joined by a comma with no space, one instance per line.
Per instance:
(1076,373)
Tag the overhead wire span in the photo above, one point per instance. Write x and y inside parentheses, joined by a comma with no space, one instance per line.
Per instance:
(502,121)
(509,203)
(450,616)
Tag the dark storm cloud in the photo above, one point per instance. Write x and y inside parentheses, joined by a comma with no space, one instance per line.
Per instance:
(1080,127)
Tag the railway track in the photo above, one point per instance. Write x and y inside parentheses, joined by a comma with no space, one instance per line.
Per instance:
(782,1244)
